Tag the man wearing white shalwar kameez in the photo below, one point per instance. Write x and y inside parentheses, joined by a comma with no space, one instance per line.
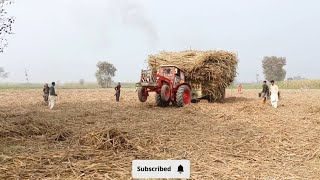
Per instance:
(274,91)
(52,95)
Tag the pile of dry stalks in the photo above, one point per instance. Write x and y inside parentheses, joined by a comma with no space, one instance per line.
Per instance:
(106,139)
(212,70)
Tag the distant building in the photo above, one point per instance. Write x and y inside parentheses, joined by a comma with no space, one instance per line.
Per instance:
(298,78)
(295,78)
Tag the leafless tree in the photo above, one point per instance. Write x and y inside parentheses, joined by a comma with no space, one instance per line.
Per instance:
(26,74)
(6,22)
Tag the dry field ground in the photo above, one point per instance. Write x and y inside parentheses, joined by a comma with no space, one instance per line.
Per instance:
(90,136)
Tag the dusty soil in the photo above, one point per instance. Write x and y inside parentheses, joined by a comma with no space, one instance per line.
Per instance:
(90,136)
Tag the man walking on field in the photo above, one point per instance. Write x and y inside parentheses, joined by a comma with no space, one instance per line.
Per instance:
(46,93)
(52,95)
(274,92)
(265,92)
(118,90)
(240,89)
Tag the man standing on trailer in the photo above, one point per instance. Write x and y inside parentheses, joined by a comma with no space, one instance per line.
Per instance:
(274,94)
(52,95)
(118,89)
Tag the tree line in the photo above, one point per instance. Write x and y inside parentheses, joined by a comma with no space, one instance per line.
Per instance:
(273,69)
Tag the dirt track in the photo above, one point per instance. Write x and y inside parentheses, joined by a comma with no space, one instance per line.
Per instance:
(89,136)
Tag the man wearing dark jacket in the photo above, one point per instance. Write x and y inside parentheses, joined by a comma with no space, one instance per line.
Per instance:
(117,89)
(265,92)
(52,95)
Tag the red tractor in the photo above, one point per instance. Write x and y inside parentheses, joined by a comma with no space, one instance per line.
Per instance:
(168,82)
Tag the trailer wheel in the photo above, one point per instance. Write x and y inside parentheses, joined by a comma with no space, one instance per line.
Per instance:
(160,102)
(195,100)
(165,92)
(211,98)
(223,95)
(143,96)
(183,96)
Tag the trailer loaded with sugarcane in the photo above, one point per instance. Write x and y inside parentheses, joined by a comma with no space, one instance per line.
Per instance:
(188,76)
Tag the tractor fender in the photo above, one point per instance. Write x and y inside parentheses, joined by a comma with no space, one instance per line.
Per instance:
(162,81)
(184,84)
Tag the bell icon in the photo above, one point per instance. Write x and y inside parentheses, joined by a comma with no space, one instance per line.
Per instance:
(180,169)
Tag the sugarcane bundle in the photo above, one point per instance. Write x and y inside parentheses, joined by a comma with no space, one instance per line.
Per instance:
(213,70)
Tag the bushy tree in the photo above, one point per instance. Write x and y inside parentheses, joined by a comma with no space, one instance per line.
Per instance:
(105,72)
(3,74)
(5,24)
(273,68)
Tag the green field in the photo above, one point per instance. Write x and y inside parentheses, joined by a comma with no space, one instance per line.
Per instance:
(295,84)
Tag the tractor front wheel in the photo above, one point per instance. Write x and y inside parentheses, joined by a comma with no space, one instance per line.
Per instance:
(183,96)
(165,92)
(142,94)
(160,102)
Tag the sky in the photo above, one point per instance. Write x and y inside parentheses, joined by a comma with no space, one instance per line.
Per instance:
(63,40)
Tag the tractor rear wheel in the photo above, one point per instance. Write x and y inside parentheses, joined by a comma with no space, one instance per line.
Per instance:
(143,96)
(165,92)
(160,102)
(183,96)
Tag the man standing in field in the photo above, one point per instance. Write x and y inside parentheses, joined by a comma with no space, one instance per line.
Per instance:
(265,92)
(52,95)
(117,88)
(274,94)
(46,93)
(240,89)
